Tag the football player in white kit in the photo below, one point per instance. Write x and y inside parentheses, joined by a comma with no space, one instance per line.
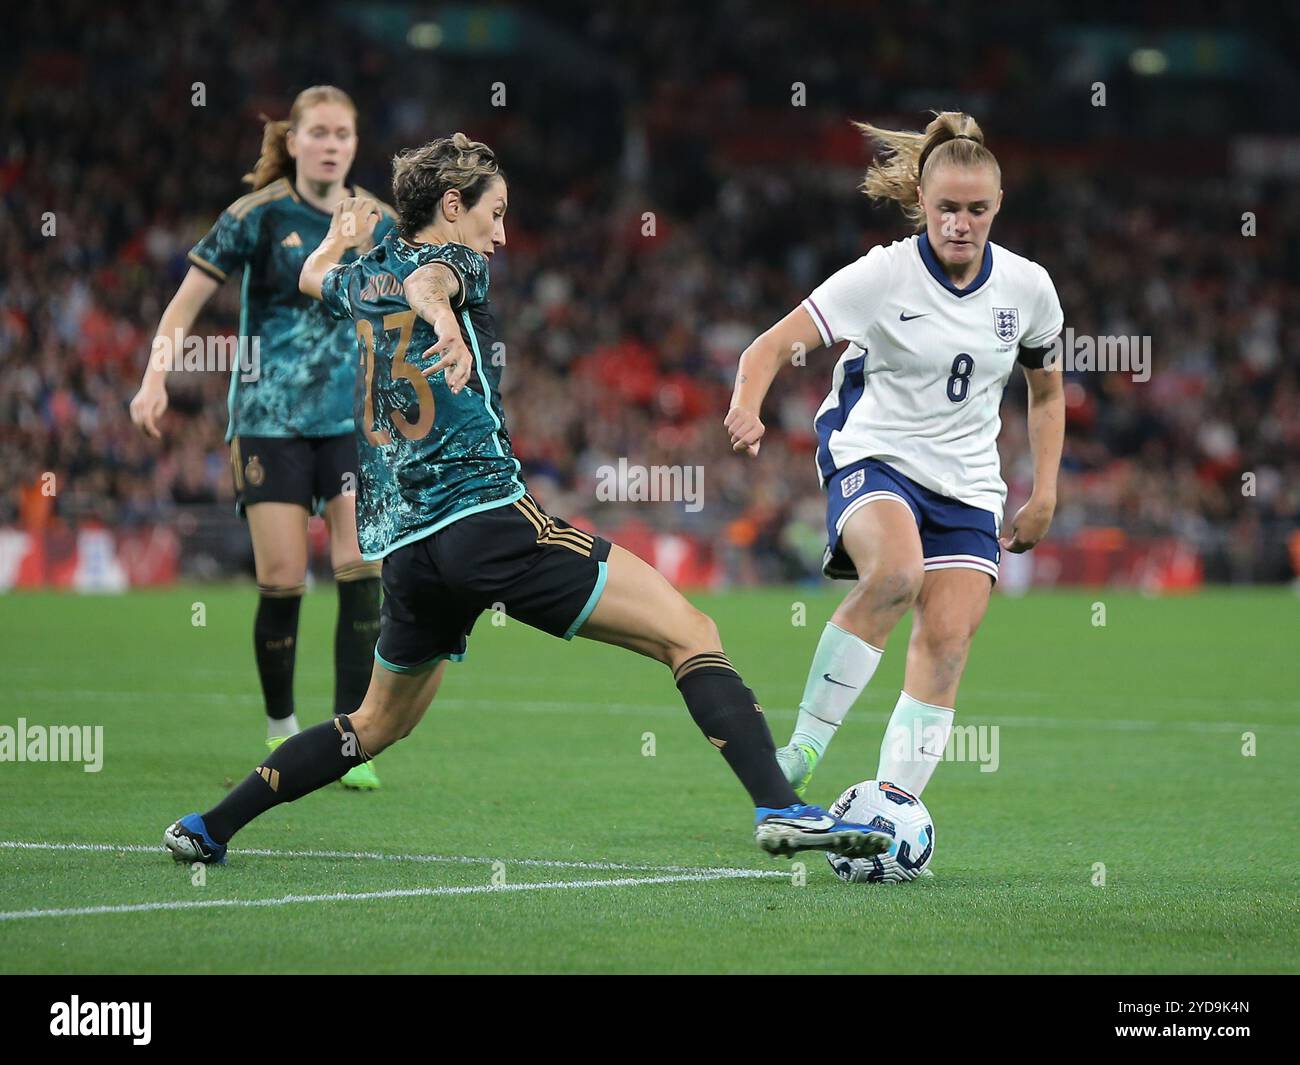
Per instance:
(907,437)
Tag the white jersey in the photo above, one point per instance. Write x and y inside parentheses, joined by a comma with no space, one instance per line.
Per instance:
(921,381)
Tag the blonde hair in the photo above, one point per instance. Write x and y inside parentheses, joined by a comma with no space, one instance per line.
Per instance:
(952,138)
(422,176)
(275,161)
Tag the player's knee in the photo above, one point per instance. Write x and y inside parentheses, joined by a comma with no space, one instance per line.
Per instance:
(282,586)
(693,632)
(378,734)
(901,586)
(891,586)
(945,644)
(347,557)
(379,727)
(357,569)
(283,578)
(706,631)
(345,552)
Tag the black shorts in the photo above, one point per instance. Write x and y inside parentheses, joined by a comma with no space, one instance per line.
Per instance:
(307,470)
(513,558)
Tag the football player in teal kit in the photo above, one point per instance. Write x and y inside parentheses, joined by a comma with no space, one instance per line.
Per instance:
(292,447)
(441,501)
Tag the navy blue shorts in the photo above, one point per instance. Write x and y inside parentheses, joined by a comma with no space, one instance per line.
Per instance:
(954,535)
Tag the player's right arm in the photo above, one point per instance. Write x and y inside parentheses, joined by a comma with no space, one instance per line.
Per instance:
(759,364)
(228,246)
(351,226)
(150,403)
(841,308)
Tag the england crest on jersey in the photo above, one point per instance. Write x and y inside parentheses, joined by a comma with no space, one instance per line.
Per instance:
(1006,323)
(852,483)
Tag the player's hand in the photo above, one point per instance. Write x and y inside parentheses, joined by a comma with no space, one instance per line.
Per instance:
(147,409)
(1030,524)
(453,357)
(745,428)
(354,220)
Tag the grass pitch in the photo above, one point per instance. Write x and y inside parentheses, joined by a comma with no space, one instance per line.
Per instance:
(526,827)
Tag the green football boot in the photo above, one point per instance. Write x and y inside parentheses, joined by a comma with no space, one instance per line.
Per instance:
(797,762)
(361,777)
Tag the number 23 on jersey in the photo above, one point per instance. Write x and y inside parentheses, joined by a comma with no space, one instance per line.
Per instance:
(404,321)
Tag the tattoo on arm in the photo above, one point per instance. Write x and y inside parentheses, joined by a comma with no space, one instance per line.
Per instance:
(431,289)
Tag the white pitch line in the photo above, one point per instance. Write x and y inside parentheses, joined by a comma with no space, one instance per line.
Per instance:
(395,893)
(576,705)
(456,859)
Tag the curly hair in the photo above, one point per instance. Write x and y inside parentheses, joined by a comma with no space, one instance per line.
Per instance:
(422,176)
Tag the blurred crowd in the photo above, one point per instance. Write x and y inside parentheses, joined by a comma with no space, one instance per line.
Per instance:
(668,203)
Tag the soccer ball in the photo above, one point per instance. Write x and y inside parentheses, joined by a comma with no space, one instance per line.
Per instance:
(887,808)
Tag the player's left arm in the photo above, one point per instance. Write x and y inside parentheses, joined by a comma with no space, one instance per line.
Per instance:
(432,291)
(351,226)
(1046,439)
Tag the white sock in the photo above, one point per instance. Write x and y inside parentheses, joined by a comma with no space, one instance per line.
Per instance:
(849,662)
(914,741)
(283,726)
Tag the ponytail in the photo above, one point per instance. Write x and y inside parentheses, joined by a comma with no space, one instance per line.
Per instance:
(951,138)
(275,161)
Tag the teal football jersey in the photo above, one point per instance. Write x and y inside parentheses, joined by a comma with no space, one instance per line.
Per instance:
(301,384)
(427,457)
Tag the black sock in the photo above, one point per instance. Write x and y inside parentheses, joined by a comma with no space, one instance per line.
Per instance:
(729,716)
(300,765)
(275,645)
(355,634)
